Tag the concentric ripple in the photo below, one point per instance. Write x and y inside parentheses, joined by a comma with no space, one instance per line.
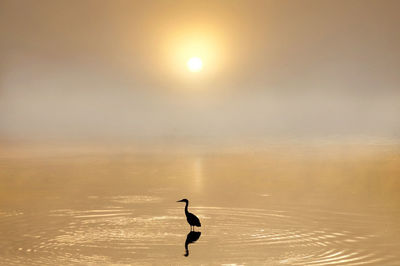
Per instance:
(123,234)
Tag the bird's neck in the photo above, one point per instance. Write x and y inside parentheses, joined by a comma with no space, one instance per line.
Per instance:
(186,207)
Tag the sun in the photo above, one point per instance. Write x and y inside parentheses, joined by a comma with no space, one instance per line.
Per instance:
(195,64)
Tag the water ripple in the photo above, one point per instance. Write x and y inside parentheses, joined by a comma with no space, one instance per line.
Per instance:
(264,236)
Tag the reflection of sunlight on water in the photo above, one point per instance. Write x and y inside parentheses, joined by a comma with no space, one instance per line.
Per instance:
(125,233)
(132,219)
(198,174)
(135,199)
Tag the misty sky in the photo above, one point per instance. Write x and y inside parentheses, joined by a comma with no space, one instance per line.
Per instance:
(94,68)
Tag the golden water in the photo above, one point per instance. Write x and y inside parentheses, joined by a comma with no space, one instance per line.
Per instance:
(279,206)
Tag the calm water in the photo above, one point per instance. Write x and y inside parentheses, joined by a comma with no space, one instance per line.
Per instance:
(281,206)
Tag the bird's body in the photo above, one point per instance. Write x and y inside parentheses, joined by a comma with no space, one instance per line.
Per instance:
(190,217)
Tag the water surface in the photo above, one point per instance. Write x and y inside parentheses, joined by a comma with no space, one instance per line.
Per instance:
(279,206)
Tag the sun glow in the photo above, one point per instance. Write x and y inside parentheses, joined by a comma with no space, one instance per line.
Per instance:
(195,64)
(193,55)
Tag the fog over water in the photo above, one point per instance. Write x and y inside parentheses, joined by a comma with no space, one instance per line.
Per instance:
(287,205)
(287,143)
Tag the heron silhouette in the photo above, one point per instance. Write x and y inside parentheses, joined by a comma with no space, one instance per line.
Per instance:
(190,217)
(191,238)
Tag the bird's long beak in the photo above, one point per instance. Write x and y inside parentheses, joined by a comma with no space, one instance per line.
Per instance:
(179,201)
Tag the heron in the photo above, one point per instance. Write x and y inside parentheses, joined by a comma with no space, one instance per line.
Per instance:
(190,217)
(191,238)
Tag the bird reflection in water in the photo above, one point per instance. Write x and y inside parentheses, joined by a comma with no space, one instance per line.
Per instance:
(192,237)
(193,221)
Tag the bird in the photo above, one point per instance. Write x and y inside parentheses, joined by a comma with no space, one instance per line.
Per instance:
(191,238)
(190,217)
